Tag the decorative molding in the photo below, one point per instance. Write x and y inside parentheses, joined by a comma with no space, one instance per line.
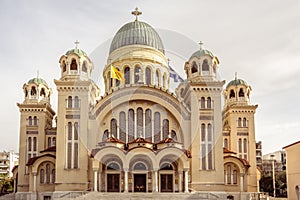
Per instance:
(242,133)
(206,117)
(32,132)
(72,116)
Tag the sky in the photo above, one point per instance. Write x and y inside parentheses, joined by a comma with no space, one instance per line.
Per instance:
(260,40)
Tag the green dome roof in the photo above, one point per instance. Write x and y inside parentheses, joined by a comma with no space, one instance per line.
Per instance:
(136,32)
(77,51)
(202,52)
(38,81)
(236,82)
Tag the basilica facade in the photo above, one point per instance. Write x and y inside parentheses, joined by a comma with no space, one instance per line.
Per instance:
(139,136)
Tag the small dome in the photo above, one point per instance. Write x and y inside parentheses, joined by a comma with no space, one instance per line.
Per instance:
(136,32)
(236,82)
(202,52)
(38,81)
(77,51)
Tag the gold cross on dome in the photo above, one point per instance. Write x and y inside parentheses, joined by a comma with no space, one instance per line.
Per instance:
(201,44)
(76,44)
(136,13)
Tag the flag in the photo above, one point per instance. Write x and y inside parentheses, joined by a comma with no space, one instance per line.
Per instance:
(115,73)
(175,76)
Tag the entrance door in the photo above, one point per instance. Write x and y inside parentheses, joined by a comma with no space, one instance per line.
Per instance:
(113,182)
(139,182)
(166,182)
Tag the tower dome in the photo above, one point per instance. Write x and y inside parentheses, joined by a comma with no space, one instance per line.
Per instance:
(136,32)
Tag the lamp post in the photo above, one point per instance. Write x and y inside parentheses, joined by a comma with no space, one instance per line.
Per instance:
(273,169)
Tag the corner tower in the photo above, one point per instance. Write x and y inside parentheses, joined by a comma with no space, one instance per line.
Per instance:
(239,128)
(36,116)
(77,94)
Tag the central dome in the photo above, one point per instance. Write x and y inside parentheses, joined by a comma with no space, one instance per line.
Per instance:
(136,32)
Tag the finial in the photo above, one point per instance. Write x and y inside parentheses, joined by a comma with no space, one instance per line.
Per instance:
(136,13)
(235,76)
(201,44)
(37,74)
(76,44)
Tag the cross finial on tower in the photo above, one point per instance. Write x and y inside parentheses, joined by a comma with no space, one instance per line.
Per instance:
(235,76)
(37,74)
(76,44)
(136,13)
(201,44)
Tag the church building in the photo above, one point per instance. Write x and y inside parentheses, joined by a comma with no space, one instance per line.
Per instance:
(139,136)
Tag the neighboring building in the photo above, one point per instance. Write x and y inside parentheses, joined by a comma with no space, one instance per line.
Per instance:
(8,160)
(279,158)
(259,155)
(293,170)
(138,136)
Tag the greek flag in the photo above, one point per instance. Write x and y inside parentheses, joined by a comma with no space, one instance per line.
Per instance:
(175,76)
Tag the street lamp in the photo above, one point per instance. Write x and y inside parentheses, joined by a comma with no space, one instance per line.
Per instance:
(273,169)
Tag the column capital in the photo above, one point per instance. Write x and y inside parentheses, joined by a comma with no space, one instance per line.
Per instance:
(126,169)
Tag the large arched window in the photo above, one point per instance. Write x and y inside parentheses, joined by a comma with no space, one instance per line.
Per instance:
(76,102)
(241,93)
(156,127)
(139,166)
(164,80)
(245,148)
(130,125)
(33,91)
(202,102)
(234,177)
(42,176)
(113,128)
(137,73)
(232,94)
(35,121)
(205,66)
(34,144)
(30,121)
(53,175)
(105,136)
(244,122)
(69,131)
(228,174)
(194,67)
(127,75)
(140,127)
(157,77)
(122,126)
(239,122)
(29,145)
(73,65)
(148,125)
(113,166)
(240,147)
(76,130)
(203,146)
(72,145)
(42,93)
(173,135)
(48,173)
(165,128)
(148,76)
(84,66)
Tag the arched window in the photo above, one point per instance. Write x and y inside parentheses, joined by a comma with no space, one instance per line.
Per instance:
(234,176)
(127,75)
(241,93)
(137,73)
(240,148)
(148,125)
(209,102)
(244,122)
(53,175)
(166,166)
(76,102)
(232,94)
(73,65)
(130,125)
(54,141)
(164,81)
(202,102)
(33,91)
(139,166)
(140,127)
(30,121)
(105,136)
(148,76)
(35,121)
(245,148)
(173,135)
(203,132)
(165,128)
(48,173)
(70,102)
(226,143)
(29,144)
(42,176)
(69,131)
(122,126)
(156,127)
(205,66)
(157,78)
(64,67)
(203,146)
(113,166)
(42,93)
(228,174)
(113,128)
(84,67)
(209,132)
(49,142)
(194,67)
(76,130)
(239,122)
(34,144)
(110,80)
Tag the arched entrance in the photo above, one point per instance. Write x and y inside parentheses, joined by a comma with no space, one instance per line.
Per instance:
(167,177)
(113,177)
(140,177)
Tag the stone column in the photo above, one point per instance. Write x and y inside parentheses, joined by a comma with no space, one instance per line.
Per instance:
(34,181)
(155,181)
(180,181)
(95,180)
(126,180)
(186,180)
(15,185)
(242,182)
